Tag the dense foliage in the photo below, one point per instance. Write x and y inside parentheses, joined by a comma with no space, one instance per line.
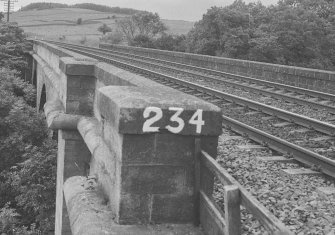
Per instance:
(293,32)
(89,6)
(141,28)
(27,154)
(12,46)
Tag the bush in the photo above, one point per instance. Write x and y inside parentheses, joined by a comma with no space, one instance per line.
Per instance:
(104,29)
(142,41)
(62,38)
(83,40)
(8,218)
(79,21)
(114,38)
(27,155)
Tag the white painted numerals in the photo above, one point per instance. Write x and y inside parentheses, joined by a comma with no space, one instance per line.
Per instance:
(175,118)
(158,116)
(196,119)
(177,123)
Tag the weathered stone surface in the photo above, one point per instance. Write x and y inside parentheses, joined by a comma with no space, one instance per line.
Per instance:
(135,209)
(155,179)
(172,209)
(72,160)
(77,66)
(110,75)
(140,178)
(139,149)
(174,149)
(124,107)
(89,214)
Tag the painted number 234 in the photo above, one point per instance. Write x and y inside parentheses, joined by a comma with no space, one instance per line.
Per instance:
(177,122)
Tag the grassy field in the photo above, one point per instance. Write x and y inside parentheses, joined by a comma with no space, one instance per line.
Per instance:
(56,23)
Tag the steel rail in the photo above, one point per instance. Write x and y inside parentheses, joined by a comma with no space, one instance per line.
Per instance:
(305,156)
(263,91)
(310,123)
(294,89)
(313,93)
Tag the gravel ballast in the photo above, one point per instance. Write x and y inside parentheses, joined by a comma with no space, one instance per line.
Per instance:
(295,200)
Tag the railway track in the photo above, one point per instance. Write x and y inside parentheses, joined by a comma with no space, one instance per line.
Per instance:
(287,93)
(234,106)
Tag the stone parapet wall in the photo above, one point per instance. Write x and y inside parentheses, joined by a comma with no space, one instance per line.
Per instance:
(313,79)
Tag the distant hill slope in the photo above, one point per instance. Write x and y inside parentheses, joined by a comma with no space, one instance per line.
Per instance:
(43,6)
(56,23)
(89,6)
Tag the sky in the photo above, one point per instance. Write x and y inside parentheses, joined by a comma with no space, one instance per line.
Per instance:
(191,10)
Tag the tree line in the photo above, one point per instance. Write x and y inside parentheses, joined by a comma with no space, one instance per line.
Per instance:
(27,153)
(89,6)
(292,32)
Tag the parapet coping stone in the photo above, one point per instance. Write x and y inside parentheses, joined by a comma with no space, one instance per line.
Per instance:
(89,214)
(123,106)
(78,66)
(61,52)
(112,75)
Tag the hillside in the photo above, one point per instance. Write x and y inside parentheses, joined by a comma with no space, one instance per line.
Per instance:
(62,22)
(89,6)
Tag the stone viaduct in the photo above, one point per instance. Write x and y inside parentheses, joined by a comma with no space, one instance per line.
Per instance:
(127,146)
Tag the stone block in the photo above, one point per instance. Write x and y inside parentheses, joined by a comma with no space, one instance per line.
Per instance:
(209,144)
(172,209)
(135,209)
(77,66)
(142,179)
(76,94)
(124,108)
(139,149)
(174,149)
(74,82)
(89,83)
